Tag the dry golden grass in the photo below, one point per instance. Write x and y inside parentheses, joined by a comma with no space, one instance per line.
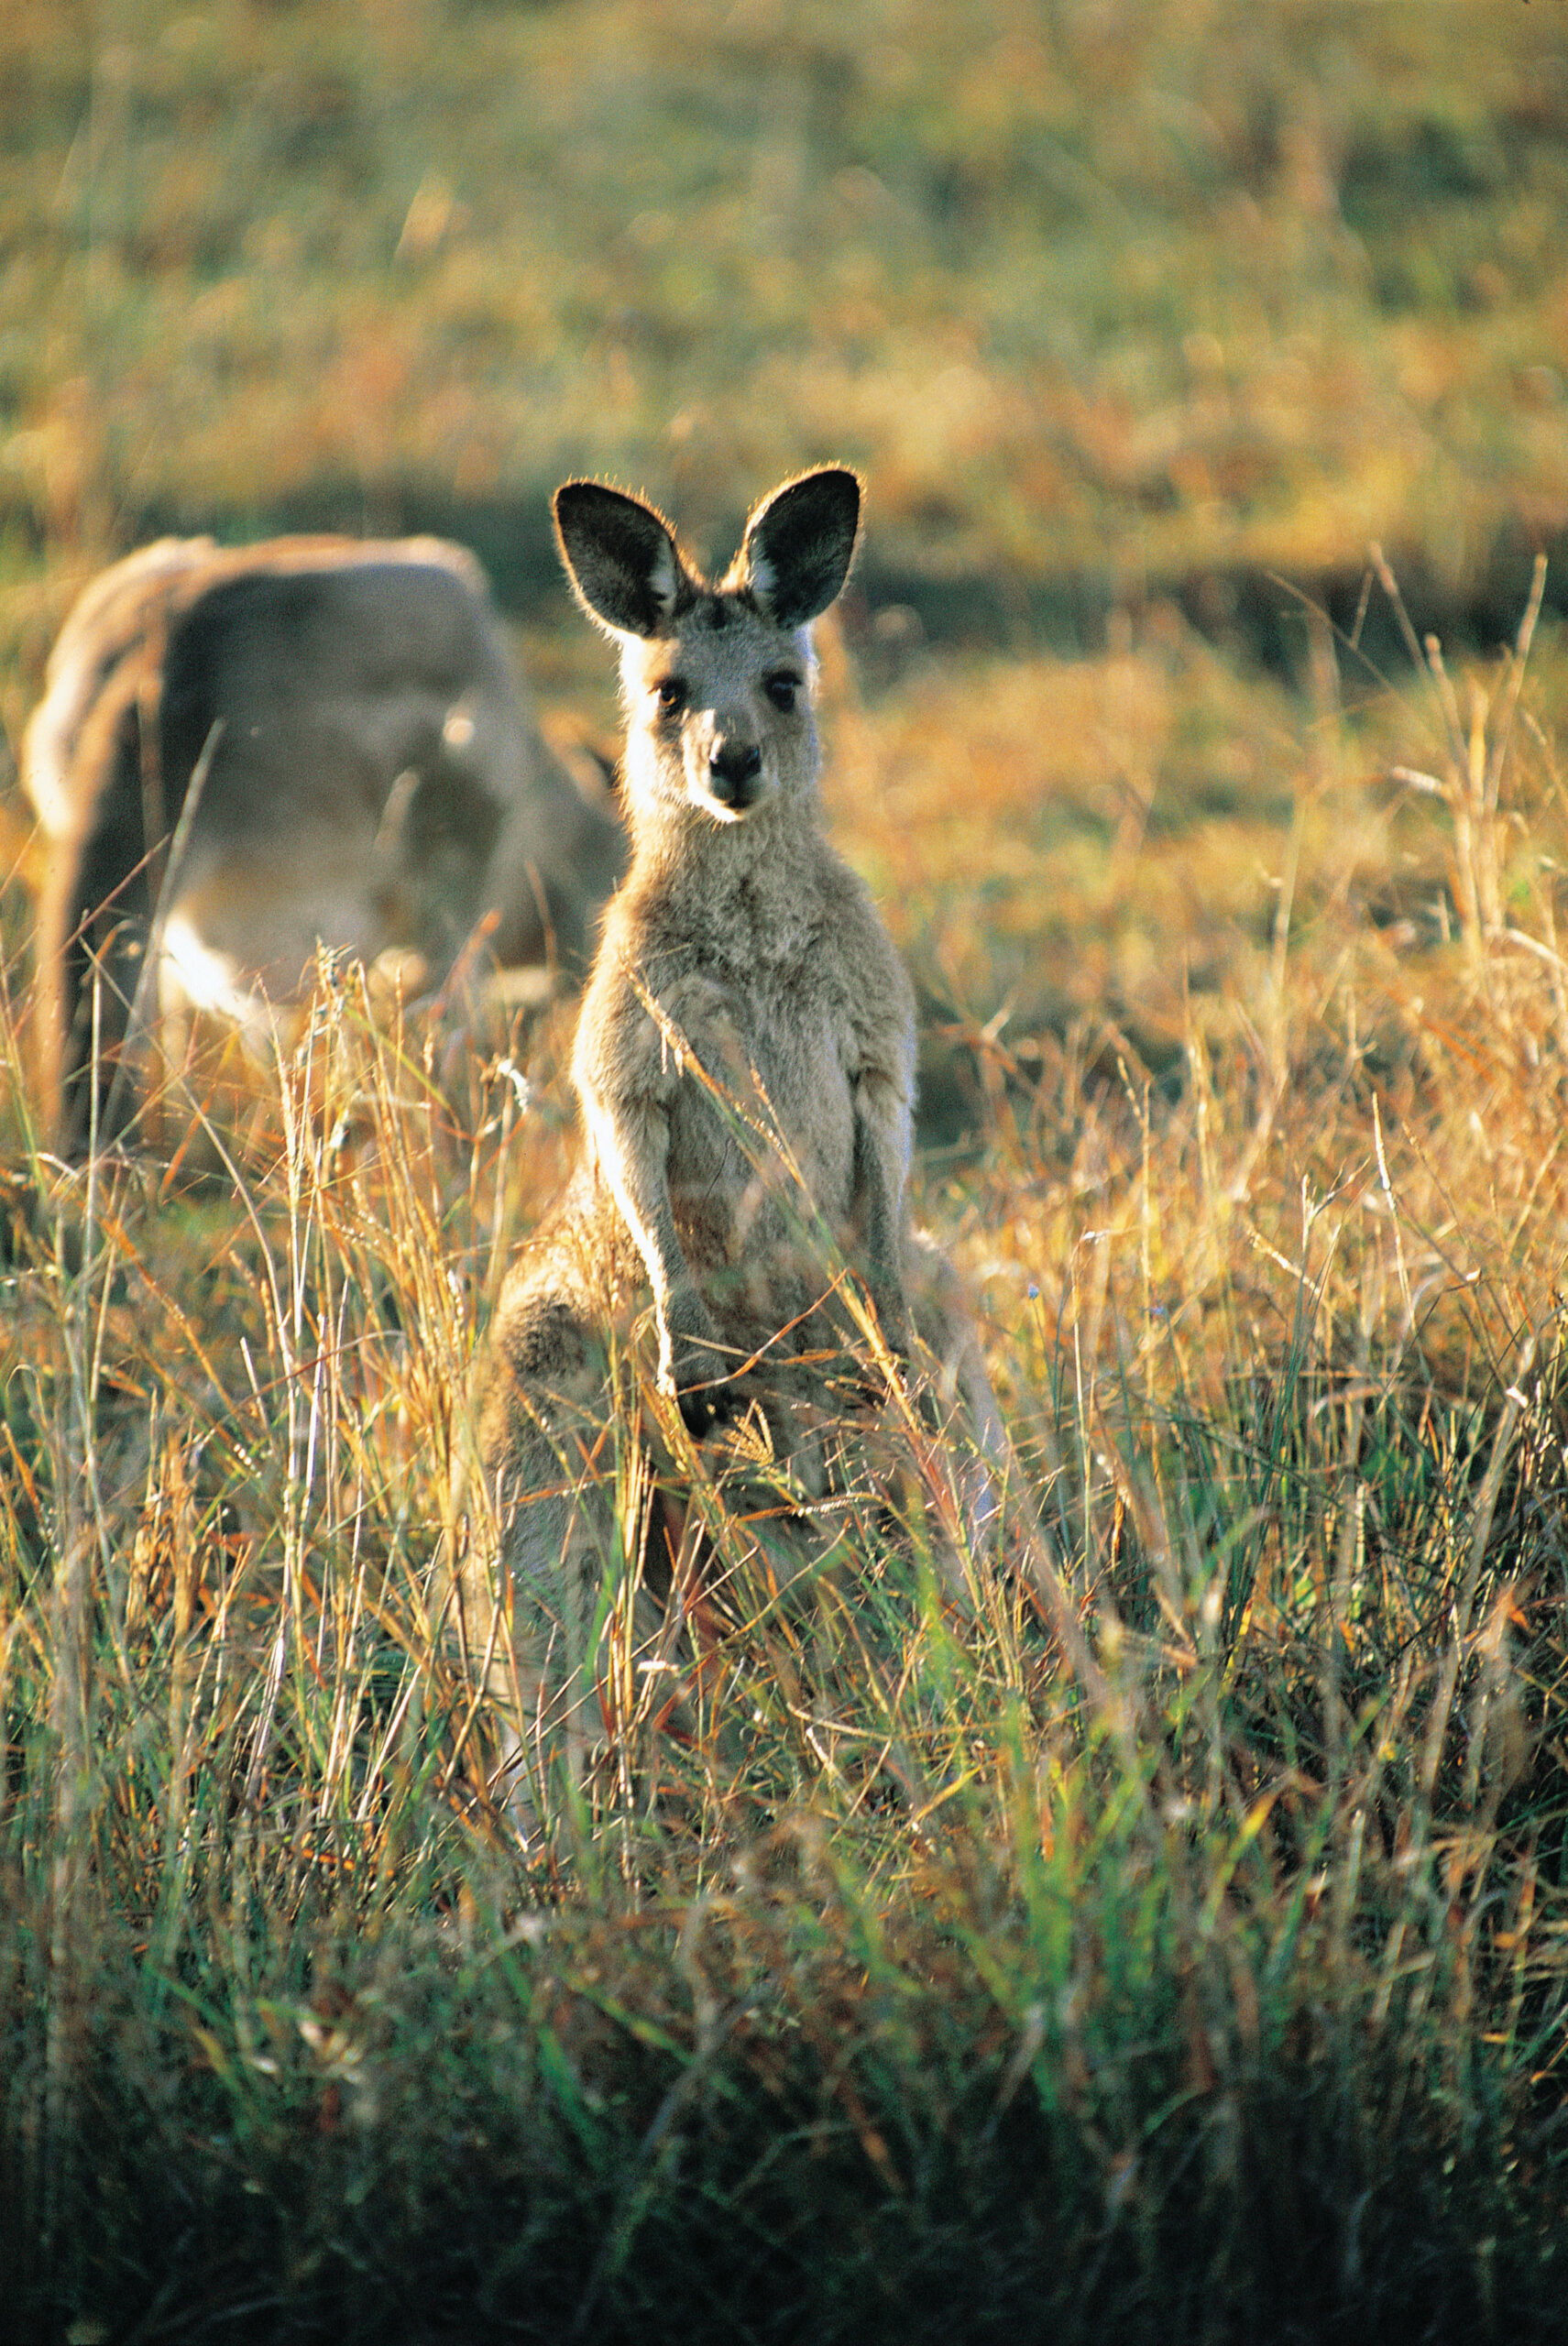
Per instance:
(1164,1938)
(1244,1769)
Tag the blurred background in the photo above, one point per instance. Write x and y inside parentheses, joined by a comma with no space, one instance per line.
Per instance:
(1114,302)
(1143,323)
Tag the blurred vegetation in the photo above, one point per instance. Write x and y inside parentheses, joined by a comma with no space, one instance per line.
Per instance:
(1163,1936)
(1106,297)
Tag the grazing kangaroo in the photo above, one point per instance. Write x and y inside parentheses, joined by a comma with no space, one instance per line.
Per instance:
(357,764)
(744,1061)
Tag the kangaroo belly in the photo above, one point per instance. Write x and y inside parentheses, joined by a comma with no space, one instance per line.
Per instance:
(762,1128)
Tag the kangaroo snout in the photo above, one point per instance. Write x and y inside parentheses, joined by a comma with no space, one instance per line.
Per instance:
(734,773)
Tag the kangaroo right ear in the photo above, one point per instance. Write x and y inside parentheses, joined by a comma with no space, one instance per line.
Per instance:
(620,558)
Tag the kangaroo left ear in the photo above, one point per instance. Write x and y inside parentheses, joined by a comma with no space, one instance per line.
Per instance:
(799,544)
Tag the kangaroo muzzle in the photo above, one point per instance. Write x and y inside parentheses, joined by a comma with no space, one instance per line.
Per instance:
(735,773)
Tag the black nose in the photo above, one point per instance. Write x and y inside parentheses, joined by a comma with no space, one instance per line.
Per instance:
(733,767)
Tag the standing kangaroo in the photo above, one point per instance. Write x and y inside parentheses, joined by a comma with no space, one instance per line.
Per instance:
(744,1055)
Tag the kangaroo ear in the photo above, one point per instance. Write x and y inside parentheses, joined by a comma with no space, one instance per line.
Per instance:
(800,544)
(620,558)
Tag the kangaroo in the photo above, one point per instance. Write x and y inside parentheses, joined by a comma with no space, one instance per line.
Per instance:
(744,1058)
(357,764)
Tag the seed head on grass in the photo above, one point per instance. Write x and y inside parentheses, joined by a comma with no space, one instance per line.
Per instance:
(1198,1929)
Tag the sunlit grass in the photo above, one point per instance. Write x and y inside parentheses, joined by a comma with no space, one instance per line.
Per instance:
(1158,1923)
(1154,1929)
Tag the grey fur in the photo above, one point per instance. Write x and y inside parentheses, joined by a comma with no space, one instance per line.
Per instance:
(745,1065)
(376,778)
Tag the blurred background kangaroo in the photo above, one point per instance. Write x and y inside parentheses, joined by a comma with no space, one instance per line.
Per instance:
(332,736)
(745,1065)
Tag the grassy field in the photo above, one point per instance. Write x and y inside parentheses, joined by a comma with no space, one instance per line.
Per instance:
(1164,1936)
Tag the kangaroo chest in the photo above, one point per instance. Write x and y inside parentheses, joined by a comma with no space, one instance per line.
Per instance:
(762,1120)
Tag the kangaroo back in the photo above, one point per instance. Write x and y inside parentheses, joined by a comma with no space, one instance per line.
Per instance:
(371,775)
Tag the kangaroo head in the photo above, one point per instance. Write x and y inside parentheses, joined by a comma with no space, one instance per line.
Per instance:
(716,677)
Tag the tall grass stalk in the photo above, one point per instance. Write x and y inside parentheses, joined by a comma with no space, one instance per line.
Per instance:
(1148,1923)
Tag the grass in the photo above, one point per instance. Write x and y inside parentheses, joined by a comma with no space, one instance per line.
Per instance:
(1158,1931)
(1162,1937)
(1110,300)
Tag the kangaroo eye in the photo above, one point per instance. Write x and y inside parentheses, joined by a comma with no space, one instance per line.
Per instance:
(673,696)
(782,690)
